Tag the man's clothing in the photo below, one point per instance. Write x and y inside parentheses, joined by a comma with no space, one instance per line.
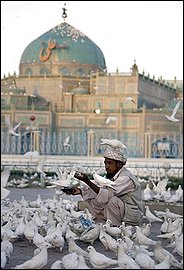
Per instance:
(124,203)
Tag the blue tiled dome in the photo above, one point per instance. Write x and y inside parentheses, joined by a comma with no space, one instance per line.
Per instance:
(63,45)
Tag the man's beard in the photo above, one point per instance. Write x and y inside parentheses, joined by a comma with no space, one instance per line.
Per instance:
(110,175)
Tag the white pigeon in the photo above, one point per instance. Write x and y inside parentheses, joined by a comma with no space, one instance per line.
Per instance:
(124,260)
(126,230)
(142,239)
(109,242)
(113,231)
(113,143)
(61,175)
(39,240)
(32,154)
(66,141)
(73,247)
(167,194)
(143,259)
(160,214)
(81,263)
(91,235)
(179,244)
(70,261)
(164,226)
(160,253)
(37,261)
(179,192)
(99,260)
(39,167)
(178,231)
(57,240)
(160,187)
(3,259)
(146,229)
(65,179)
(110,119)
(173,199)
(172,215)
(172,117)
(129,242)
(150,216)
(30,230)
(147,193)
(172,225)
(127,99)
(12,129)
(102,181)
(164,264)
(70,233)
(6,246)
(57,265)
(4,179)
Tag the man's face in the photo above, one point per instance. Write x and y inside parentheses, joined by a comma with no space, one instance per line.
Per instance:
(111,167)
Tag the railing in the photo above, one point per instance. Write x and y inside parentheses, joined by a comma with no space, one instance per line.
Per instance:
(85,143)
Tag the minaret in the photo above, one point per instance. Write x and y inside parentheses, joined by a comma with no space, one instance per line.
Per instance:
(134,69)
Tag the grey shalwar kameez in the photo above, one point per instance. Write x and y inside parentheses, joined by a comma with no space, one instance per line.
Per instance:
(124,203)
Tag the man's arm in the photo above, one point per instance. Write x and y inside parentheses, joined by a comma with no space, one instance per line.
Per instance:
(84,178)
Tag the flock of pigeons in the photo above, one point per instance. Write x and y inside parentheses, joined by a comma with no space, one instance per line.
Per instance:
(56,224)
(160,192)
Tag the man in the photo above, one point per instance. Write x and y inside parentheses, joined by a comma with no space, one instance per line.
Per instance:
(124,201)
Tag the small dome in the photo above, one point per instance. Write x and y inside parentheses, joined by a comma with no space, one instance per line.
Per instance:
(65,48)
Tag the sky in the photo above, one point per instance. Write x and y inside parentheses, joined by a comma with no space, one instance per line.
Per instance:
(148,32)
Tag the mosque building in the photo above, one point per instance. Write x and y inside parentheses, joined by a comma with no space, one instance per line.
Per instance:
(64,90)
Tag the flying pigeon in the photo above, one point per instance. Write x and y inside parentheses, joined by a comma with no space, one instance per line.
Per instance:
(66,142)
(129,99)
(109,119)
(172,117)
(40,164)
(12,129)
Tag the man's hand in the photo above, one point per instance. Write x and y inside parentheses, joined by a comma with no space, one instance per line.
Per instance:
(75,191)
(82,177)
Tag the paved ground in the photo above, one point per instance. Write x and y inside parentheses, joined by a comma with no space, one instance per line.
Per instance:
(24,251)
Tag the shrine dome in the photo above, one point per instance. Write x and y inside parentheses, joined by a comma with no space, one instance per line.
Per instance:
(62,50)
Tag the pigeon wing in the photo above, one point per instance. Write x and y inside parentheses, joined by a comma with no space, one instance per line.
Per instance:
(162,184)
(15,127)
(175,109)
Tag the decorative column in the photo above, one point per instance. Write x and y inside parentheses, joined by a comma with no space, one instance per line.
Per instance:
(90,143)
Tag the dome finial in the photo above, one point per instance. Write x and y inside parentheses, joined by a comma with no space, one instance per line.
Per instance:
(64,15)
